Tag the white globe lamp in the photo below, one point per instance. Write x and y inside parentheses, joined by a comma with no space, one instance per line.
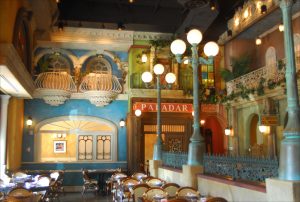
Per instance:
(211,49)
(158,69)
(194,36)
(178,47)
(138,112)
(147,77)
(170,78)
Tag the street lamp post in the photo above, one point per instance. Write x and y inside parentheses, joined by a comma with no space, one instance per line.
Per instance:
(147,78)
(211,49)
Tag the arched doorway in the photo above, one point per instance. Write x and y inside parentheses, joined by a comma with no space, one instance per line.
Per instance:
(255,139)
(214,125)
(76,139)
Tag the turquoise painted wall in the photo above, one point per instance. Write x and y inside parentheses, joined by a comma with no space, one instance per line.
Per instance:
(40,111)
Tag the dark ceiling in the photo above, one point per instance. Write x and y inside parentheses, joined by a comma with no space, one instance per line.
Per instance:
(170,16)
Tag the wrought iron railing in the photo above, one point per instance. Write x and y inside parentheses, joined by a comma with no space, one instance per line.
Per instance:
(239,167)
(174,159)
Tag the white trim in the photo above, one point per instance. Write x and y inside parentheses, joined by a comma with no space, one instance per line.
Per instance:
(113,133)
(34,162)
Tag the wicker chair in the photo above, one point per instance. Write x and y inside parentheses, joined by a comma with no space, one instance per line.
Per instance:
(20,194)
(88,183)
(139,190)
(171,188)
(155,182)
(155,193)
(216,199)
(188,193)
(139,176)
(126,185)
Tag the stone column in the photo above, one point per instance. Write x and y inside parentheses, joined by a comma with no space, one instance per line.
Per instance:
(3,135)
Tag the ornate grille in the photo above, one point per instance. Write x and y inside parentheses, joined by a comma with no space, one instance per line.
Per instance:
(85,147)
(103,147)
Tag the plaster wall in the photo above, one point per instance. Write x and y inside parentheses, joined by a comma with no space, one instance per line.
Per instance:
(171,175)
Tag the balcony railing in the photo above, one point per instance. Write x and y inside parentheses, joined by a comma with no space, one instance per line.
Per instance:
(174,159)
(238,167)
(252,79)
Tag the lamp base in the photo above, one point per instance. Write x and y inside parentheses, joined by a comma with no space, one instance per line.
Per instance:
(196,152)
(157,152)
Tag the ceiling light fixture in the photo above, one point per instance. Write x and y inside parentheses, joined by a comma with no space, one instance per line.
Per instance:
(131,1)
(213,5)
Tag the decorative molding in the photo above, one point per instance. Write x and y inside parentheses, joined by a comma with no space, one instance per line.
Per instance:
(150,93)
(152,36)
(10,58)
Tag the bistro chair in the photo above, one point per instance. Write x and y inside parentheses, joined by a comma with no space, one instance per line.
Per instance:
(126,187)
(188,193)
(216,199)
(155,193)
(139,176)
(58,176)
(171,188)
(138,191)
(88,183)
(43,181)
(19,174)
(178,200)
(1,196)
(113,183)
(20,193)
(155,182)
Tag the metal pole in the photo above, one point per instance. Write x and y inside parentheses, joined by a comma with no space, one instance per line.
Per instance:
(157,153)
(196,146)
(289,165)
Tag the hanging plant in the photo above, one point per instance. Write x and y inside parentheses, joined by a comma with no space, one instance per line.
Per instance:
(260,89)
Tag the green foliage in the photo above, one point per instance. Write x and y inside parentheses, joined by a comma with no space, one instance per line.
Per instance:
(280,64)
(260,89)
(43,64)
(240,67)
(159,43)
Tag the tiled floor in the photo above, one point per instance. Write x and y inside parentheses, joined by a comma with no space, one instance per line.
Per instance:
(88,197)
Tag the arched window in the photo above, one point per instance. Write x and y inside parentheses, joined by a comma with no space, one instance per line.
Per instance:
(76,138)
(297,50)
(271,60)
(98,64)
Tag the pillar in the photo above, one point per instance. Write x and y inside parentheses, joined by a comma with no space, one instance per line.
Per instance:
(3,129)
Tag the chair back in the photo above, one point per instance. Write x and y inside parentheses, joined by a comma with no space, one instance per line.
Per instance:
(139,176)
(20,192)
(187,192)
(129,182)
(118,176)
(138,190)
(216,199)
(155,182)
(155,193)
(171,188)
(85,175)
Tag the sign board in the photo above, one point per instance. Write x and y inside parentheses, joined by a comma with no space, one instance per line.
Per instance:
(165,107)
(269,120)
(210,108)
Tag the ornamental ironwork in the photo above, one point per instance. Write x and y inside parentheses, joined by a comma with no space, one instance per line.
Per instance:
(174,159)
(240,167)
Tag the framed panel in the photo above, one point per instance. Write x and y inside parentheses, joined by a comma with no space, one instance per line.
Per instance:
(59,146)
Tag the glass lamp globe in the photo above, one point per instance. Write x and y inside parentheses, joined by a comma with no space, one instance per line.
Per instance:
(211,49)
(144,58)
(158,69)
(194,36)
(138,112)
(170,78)
(178,47)
(227,131)
(147,77)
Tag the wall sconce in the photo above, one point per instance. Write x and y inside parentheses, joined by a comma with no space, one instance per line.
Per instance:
(202,122)
(246,14)
(213,5)
(264,129)
(29,121)
(258,41)
(263,9)
(144,58)
(193,113)
(60,135)
(122,123)
(281,28)
(121,26)
(138,112)
(227,131)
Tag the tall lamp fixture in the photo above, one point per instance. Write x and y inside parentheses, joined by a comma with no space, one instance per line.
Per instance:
(211,49)
(147,78)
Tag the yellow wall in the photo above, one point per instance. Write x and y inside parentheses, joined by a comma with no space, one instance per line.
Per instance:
(8,13)
(47,148)
(15,124)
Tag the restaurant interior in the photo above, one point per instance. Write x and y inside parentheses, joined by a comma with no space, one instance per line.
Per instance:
(150,100)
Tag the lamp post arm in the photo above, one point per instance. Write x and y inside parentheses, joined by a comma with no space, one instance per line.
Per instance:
(178,58)
(207,61)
